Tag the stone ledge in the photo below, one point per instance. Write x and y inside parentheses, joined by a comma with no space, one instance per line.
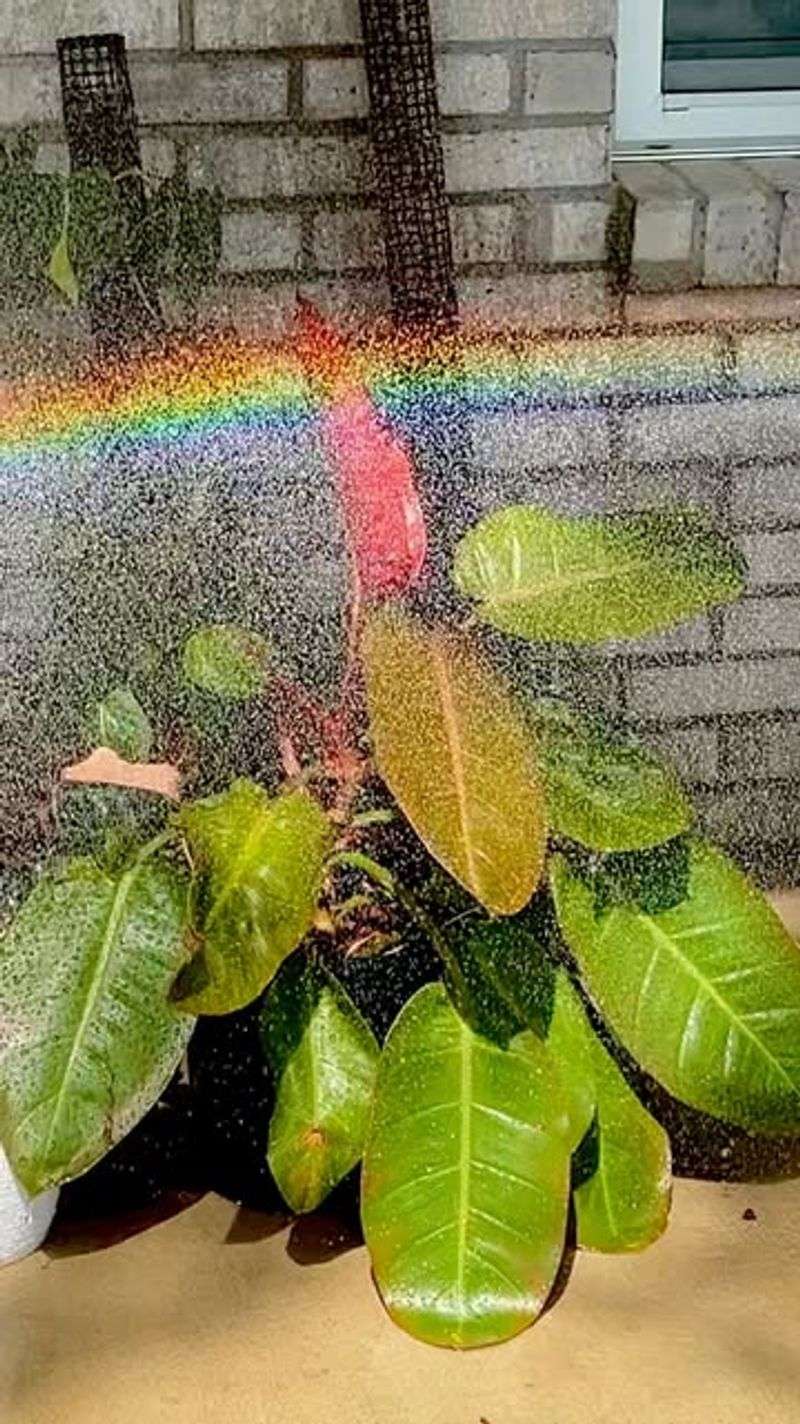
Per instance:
(714,223)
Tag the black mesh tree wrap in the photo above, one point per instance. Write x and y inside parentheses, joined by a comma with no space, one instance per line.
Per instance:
(101,128)
(409,164)
(409,170)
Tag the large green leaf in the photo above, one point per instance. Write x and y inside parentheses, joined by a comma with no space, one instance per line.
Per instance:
(706,995)
(553,578)
(325,1059)
(454,751)
(604,793)
(465,1178)
(261,865)
(623,1204)
(87,1037)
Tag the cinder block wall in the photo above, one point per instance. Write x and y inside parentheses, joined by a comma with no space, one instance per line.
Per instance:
(267,100)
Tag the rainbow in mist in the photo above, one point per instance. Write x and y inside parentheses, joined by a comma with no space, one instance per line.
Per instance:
(230,393)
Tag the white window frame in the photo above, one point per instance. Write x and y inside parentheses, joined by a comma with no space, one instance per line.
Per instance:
(651,123)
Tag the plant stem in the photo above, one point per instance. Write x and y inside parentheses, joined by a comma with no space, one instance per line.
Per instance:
(389,883)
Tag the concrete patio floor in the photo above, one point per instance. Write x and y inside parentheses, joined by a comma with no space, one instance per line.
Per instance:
(207,1319)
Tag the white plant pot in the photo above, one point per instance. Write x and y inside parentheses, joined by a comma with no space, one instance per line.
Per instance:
(24,1223)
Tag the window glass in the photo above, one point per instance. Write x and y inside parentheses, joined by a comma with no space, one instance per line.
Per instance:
(718,45)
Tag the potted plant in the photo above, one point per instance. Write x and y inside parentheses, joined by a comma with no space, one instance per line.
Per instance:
(589,940)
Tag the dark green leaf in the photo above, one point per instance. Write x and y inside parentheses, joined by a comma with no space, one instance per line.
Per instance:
(261,865)
(552,578)
(607,794)
(507,981)
(465,1178)
(87,1038)
(706,996)
(325,1059)
(226,660)
(650,881)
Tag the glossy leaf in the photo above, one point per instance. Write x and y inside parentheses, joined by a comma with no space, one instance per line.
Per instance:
(506,982)
(120,723)
(454,752)
(226,660)
(87,1037)
(624,1203)
(607,794)
(465,1177)
(552,578)
(261,866)
(706,996)
(324,1058)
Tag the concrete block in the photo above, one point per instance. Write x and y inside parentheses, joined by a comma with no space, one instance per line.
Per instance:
(526,158)
(667,226)
(522,19)
(468,84)
(158,155)
(563,229)
(473,83)
(281,166)
(525,443)
(259,242)
(784,175)
(766,494)
(569,82)
(34,26)
(348,239)
(766,359)
(762,750)
(232,24)
(633,488)
(763,625)
(579,492)
(335,89)
(772,558)
(539,301)
(693,637)
(751,814)
(723,431)
(267,313)
(484,233)
(743,222)
(29,92)
(692,751)
(675,693)
(206,91)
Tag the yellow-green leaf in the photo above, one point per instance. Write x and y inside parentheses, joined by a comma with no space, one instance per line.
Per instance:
(623,1204)
(552,578)
(466,1177)
(454,751)
(61,272)
(705,995)
(324,1058)
(260,863)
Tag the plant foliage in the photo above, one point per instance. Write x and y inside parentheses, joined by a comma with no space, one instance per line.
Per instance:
(586,935)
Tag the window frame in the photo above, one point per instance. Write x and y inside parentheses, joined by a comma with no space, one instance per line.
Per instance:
(650,122)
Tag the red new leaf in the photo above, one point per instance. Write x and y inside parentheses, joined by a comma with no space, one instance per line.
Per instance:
(375,476)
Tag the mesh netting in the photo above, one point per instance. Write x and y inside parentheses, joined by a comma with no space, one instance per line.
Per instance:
(101,128)
(408,160)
